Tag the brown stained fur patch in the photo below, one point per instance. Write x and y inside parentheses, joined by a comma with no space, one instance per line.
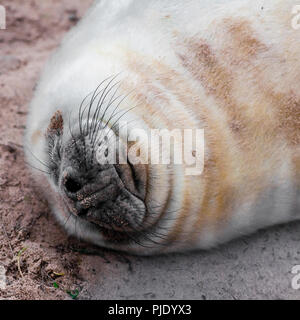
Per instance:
(286,111)
(177,230)
(246,47)
(199,59)
(244,41)
(288,114)
(146,88)
(56,123)
(177,85)
(201,62)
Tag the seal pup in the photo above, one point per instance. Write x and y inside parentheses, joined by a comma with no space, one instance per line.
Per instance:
(231,68)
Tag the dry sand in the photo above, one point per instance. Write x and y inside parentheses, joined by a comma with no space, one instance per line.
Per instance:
(29,235)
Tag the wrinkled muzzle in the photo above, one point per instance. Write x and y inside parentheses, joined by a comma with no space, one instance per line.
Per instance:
(110,195)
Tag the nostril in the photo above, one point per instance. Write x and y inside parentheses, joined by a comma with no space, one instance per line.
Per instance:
(72,185)
(83,212)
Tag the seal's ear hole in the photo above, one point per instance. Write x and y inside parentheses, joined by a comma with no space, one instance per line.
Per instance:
(56,125)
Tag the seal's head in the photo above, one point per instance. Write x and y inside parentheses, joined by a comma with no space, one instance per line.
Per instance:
(82,153)
(93,189)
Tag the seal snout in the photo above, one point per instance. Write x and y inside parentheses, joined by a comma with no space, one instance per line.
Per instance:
(99,195)
(95,188)
(88,191)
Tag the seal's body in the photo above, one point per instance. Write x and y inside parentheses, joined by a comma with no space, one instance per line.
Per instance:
(230,67)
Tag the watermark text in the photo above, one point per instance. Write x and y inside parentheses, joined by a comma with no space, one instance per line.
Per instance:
(156,147)
(296,17)
(296,278)
(2,278)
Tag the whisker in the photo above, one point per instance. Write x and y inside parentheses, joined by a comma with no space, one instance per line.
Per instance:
(94,96)
(115,123)
(101,101)
(40,161)
(37,168)
(97,127)
(107,122)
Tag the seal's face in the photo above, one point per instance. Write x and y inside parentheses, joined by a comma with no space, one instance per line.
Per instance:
(110,196)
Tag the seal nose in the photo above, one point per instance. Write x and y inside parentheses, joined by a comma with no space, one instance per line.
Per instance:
(72,185)
(71,182)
